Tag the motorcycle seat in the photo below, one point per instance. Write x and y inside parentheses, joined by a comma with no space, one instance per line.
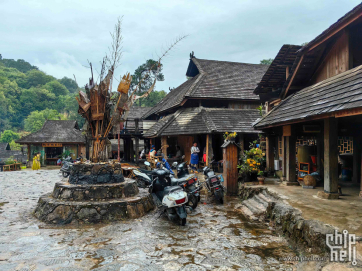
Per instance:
(169,189)
(175,181)
(160,172)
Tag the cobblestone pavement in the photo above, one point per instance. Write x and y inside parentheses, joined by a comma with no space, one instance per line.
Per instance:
(215,237)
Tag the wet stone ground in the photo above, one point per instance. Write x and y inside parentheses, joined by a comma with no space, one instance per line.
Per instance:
(215,237)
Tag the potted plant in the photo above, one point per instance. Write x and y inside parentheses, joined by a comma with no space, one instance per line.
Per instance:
(251,162)
(230,136)
(261,177)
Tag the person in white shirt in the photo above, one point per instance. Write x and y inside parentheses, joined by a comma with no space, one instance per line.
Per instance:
(194,161)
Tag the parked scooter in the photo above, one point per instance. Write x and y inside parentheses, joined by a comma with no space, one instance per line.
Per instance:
(67,164)
(189,182)
(143,177)
(172,199)
(214,184)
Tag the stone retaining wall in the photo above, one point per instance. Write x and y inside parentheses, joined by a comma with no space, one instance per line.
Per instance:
(305,234)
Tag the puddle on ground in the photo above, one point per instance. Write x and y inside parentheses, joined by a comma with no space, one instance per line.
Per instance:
(215,238)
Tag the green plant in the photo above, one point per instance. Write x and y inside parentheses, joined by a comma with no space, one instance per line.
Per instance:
(10,161)
(251,160)
(228,135)
(261,173)
(260,108)
(65,154)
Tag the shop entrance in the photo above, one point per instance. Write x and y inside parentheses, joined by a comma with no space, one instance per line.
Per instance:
(52,154)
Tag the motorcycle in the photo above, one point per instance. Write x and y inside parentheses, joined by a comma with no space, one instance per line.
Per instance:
(189,181)
(214,184)
(67,164)
(172,199)
(143,177)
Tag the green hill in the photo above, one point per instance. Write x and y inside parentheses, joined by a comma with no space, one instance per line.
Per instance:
(29,96)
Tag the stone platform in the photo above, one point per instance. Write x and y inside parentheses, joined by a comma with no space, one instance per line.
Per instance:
(93,203)
(99,173)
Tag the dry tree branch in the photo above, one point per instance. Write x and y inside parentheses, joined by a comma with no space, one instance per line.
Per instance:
(116,47)
(159,61)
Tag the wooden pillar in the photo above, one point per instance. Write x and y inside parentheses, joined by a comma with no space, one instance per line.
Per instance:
(270,145)
(360,193)
(330,160)
(29,153)
(356,159)
(209,150)
(284,158)
(290,158)
(137,140)
(131,150)
(126,149)
(242,142)
(164,145)
(320,153)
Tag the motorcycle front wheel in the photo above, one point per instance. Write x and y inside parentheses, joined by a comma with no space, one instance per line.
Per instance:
(65,174)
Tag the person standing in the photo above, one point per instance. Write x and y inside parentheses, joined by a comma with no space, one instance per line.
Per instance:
(152,151)
(36,163)
(194,155)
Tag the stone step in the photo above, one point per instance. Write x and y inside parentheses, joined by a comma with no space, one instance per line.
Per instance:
(261,200)
(95,192)
(265,197)
(253,206)
(247,213)
(57,211)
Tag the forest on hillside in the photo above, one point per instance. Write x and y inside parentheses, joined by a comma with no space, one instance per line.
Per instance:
(28,97)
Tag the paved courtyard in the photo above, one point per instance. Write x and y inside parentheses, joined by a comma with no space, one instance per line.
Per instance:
(215,238)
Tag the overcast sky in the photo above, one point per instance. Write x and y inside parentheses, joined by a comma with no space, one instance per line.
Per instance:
(59,36)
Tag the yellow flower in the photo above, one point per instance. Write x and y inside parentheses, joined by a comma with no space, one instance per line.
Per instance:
(254,162)
(251,165)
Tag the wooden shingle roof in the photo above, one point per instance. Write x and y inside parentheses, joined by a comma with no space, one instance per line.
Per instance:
(55,131)
(275,76)
(4,146)
(173,98)
(341,92)
(211,79)
(227,80)
(201,120)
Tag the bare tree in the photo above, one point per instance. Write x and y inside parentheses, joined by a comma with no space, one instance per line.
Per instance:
(115,50)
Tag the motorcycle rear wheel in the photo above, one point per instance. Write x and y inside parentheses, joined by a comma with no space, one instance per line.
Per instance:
(219,195)
(65,174)
(193,201)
